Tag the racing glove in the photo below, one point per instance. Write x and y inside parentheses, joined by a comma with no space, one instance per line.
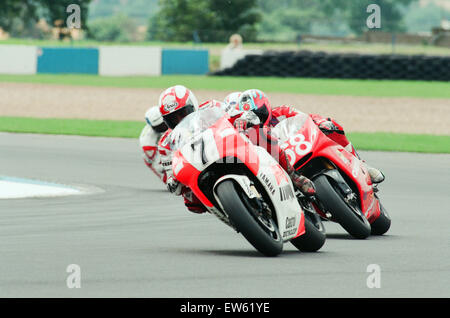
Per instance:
(327,126)
(247,120)
(305,185)
(174,186)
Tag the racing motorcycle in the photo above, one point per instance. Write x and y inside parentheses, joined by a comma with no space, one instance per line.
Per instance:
(344,191)
(242,184)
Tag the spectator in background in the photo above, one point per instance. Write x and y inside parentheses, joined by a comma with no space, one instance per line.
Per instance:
(232,52)
(235,42)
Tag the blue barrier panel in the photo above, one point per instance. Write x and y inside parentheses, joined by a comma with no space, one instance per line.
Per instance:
(68,60)
(185,61)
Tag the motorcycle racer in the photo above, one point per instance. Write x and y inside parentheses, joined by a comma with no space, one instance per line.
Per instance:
(149,139)
(175,103)
(259,113)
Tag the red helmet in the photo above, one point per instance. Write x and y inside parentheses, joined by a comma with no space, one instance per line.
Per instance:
(175,103)
(256,101)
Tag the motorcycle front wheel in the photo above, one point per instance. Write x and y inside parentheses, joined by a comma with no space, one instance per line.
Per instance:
(382,224)
(312,240)
(260,232)
(348,216)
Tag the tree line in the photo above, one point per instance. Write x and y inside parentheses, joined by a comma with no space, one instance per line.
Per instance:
(19,17)
(204,20)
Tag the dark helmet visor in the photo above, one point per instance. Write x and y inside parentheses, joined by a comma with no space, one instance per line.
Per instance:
(174,118)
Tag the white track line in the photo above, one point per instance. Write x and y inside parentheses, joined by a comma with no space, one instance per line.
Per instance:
(14,188)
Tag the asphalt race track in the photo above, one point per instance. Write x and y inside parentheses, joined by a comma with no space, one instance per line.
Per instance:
(133,239)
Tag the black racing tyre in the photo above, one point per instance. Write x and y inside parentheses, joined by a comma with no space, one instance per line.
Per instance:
(382,224)
(356,225)
(311,241)
(265,240)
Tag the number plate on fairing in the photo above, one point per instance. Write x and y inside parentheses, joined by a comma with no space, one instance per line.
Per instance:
(202,151)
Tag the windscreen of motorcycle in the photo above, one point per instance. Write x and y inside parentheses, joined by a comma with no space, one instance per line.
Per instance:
(289,126)
(195,124)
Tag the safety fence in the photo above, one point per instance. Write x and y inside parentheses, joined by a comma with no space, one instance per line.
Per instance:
(104,60)
(357,66)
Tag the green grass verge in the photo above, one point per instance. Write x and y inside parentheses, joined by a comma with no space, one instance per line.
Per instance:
(131,129)
(81,127)
(401,142)
(373,88)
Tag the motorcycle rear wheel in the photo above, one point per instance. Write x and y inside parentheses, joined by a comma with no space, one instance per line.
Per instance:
(356,225)
(257,234)
(312,240)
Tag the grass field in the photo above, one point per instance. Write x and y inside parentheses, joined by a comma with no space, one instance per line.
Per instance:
(132,129)
(374,88)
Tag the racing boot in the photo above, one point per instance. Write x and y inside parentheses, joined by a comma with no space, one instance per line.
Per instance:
(192,203)
(375,175)
(305,185)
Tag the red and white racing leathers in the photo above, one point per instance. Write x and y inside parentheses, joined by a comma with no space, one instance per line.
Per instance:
(165,150)
(149,140)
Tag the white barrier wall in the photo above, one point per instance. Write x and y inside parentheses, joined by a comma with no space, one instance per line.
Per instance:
(18,59)
(128,60)
(230,56)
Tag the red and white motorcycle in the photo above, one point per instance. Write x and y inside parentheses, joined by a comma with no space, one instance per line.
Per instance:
(241,184)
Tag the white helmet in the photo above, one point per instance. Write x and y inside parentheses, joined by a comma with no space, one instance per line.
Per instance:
(175,103)
(232,103)
(154,119)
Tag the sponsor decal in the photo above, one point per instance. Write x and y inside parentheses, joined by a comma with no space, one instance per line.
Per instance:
(169,102)
(286,193)
(289,233)
(290,222)
(166,163)
(171,106)
(269,184)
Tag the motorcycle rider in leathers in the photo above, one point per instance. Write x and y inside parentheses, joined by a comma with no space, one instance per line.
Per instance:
(149,139)
(258,112)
